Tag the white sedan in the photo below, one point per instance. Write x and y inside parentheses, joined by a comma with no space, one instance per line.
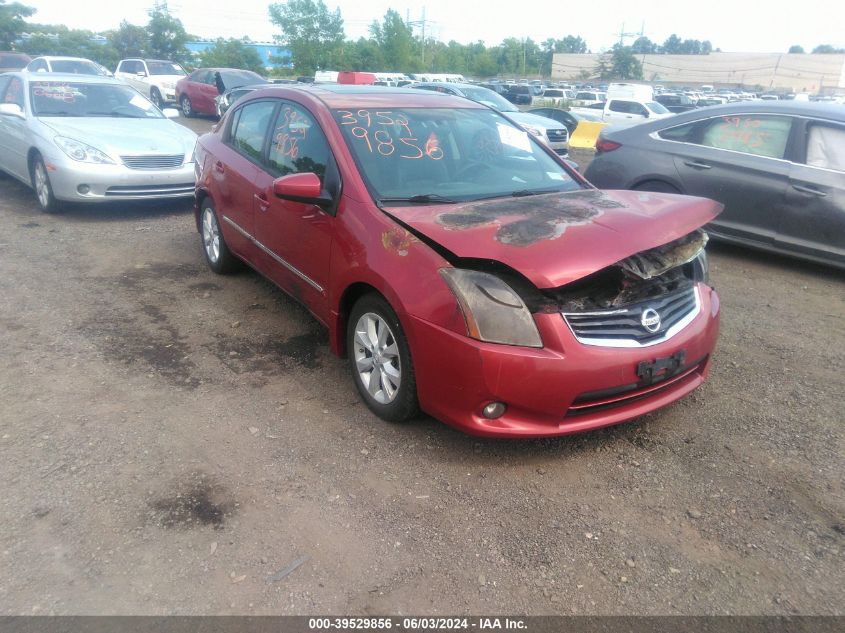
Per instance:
(91,139)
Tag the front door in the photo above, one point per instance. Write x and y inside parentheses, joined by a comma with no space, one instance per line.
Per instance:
(296,237)
(738,160)
(813,221)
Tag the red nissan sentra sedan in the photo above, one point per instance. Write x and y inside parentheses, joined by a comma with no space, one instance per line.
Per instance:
(458,263)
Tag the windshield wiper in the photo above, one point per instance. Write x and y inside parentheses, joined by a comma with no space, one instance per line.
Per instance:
(521,193)
(424,198)
(40,114)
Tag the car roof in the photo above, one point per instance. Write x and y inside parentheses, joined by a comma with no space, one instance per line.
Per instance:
(62,58)
(828,111)
(342,95)
(147,60)
(69,78)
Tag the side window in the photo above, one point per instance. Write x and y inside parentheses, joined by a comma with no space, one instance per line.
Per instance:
(298,144)
(39,65)
(681,133)
(14,92)
(251,129)
(826,147)
(636,108)
(760,135)
(619,106)
(3,82)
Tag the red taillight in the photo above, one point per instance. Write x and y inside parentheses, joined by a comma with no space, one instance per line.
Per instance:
(603,145)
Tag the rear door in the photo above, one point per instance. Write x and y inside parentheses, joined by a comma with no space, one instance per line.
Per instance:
(234,168)
(624,110)
(737,160)
(813,220)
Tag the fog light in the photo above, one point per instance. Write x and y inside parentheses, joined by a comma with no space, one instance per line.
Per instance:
(494,410)
(83,189)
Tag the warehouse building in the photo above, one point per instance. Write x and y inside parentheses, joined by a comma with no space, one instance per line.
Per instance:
(816,74)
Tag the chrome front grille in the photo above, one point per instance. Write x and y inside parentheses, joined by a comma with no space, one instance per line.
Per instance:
(154,161)
(152,191)
(625,327)
(558,136)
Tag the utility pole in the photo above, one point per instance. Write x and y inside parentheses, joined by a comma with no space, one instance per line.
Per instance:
(421,23)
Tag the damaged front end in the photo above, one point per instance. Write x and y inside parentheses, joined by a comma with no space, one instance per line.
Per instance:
(641,300)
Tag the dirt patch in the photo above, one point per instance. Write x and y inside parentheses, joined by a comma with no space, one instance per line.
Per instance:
(272,357)
(201,503)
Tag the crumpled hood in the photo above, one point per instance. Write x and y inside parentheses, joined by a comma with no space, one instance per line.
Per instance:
(554,239)
(117,137)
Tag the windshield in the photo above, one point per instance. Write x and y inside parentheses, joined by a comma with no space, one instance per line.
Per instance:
(70,99)
(656,108)
(165,68)
(489,98)
(75,66)
(420,155)
(235,78)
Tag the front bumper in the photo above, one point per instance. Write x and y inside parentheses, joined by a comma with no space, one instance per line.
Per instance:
(85,182)
(565,387)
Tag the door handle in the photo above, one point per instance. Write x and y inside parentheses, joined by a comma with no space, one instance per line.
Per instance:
(696,165)
(810,190)
(218,167)
(263,203)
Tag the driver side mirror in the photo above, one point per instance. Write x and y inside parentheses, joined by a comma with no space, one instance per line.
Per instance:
(303,187)
(141,73)
(11,109)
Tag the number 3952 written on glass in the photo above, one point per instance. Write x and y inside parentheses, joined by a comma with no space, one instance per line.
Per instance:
(373,130)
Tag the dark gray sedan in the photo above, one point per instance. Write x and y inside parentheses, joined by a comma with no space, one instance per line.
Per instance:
(778,167)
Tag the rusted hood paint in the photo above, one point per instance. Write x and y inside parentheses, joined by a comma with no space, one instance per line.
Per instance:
(554,239)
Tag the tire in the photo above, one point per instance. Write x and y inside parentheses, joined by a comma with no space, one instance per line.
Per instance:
(186,106)
(40,178)
(657,186)
(390,361)
(155,97)
(217,254)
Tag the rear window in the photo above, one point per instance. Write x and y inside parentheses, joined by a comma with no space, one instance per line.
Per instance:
(77,67)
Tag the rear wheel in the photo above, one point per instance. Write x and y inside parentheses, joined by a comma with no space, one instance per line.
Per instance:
(217,253)
(186,106)
(380,360)
(43,189)
(658,186)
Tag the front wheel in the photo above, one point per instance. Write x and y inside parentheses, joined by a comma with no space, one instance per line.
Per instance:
(380,360)
(156,98)
(217,254)
(43,189)
(187,107)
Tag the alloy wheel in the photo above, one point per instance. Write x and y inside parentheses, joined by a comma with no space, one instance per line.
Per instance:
(211,235)
(377,358)
(42,185)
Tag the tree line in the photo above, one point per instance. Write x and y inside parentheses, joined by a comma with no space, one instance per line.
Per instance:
(315,39)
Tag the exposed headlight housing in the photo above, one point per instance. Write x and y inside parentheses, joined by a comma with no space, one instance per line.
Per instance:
(82,152)
(701,267)
(492,310)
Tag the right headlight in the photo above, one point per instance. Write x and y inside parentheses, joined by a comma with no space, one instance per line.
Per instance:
(492,310)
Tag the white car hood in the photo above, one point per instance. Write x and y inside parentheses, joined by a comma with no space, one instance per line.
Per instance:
(118,137)
(526,118)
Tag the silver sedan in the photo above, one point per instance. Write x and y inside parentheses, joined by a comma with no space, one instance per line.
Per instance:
(91,139)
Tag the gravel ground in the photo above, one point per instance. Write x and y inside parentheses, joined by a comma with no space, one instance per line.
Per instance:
(173,440)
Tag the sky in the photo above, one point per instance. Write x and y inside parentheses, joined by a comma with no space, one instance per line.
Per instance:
(732,25)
